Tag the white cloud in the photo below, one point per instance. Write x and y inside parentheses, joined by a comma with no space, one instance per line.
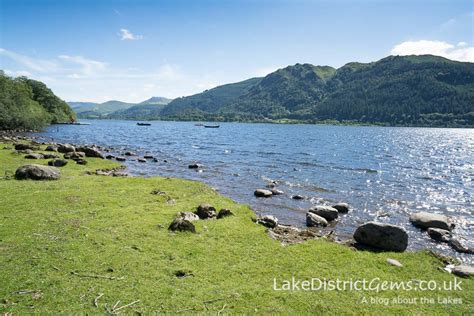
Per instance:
(31,63)
(18,73)
(460,52)
(89,66)
(126,35)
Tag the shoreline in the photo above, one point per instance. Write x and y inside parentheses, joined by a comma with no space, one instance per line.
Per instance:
(109,234)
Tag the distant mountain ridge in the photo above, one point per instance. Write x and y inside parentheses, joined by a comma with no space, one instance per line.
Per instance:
(118,109)
(421,90)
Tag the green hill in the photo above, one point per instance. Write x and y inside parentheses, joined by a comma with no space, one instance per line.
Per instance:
(410,90)
(30,104)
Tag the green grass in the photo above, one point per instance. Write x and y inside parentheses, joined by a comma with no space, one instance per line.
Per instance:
(115,227)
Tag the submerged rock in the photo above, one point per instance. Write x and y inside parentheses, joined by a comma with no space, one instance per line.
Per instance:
(459,247)
(194,166)
(327,212)
(439,234)
(121,159)
(426,220)
(341,207)
(297,197)
(268,221)
(224,213)
(37,172)
(110,157)
(182,225)
(382,236)
(205,211)
(262,193)
(276,192)
(141,160)
(315,220)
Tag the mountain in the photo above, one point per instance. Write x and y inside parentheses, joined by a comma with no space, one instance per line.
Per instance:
(119,110)
(157,100)
(397,90)
(30,104)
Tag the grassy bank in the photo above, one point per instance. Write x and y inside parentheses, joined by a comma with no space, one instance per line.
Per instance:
(64,243)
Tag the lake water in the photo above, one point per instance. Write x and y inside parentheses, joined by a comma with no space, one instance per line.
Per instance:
(383,173)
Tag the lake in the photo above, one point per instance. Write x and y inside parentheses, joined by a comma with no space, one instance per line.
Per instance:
(384,173)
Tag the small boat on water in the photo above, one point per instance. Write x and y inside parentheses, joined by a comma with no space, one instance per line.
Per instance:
(143,124)
(211,126)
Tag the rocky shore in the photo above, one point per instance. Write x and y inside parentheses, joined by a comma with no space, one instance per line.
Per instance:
(371,236)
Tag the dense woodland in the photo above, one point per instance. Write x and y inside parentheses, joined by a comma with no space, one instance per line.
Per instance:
(30,104)
(400,91)
(410,90)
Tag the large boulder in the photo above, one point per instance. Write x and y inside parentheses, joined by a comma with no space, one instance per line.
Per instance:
(315,220)
(205,211)
(459,247)
(268,221)
(327,212)
(426,220)
(65,148)
(383,236)
(50,156)
(57,162)
(188,216)
(263,193)
(90,152)
(25,147)
(37,172)
(182,225)
(51,148)
(74,155)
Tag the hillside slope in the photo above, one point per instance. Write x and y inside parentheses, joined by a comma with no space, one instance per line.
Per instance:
(30,104)
(410,90)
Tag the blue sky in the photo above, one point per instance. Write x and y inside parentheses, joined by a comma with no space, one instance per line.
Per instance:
(132,50)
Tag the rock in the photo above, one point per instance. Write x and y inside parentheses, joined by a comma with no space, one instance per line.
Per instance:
(194,166)
(188,216)
(25,151)
(263,193)
(148,157)
(463,270)
(276,192)
(394,262)
(341,207)
(121,159)
(57,162)
(224,213)
(25,147)
(205,211)
(156,160)
(129,153)
(110,157)
(92,152)
(383,236)
(182,225)
(297,197)
(426,220)
(456,245)
(34,156)
(51,148)
(74,155)
(141,160)
(81,161)
(315,220)
(439,234)
(50,156)
(66,148)
(37,172)
(327,212)
(268,221)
